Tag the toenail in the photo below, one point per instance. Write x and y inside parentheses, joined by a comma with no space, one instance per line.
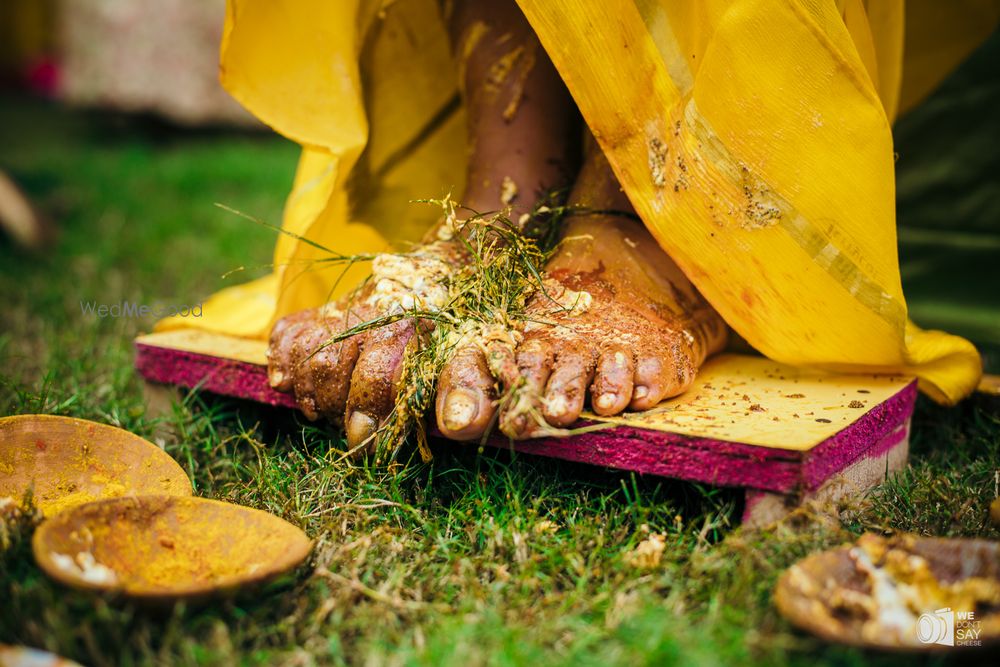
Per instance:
(277,377)
(460,408)
(308,407)
(640,392)
(556,406)
(360,428)
(605,401)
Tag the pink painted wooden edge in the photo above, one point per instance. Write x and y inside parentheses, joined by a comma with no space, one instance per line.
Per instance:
(215,374)
(715,462)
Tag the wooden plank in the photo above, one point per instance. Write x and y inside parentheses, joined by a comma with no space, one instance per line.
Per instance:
(787,449)
(853,482)
(158,361)
(724,463)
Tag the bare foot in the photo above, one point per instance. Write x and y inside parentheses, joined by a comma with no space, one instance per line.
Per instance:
(622,325)
(522,131)
(354,382)
(617,322)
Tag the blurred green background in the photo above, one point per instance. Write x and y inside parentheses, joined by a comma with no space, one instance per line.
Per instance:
(948,213)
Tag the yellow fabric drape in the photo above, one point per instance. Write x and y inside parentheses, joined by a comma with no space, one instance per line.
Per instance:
(370,97)
(752,136)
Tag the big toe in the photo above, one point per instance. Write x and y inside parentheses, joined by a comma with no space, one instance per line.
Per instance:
(659,375)
(464,405)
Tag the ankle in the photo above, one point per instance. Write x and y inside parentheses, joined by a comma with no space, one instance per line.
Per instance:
(606,225)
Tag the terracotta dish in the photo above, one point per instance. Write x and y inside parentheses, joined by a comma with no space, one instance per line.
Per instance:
(165,549)
(24,656)
(67,462)
(904,593)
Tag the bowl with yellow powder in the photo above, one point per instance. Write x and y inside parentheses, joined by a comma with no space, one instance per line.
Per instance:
(65,462)
(166,549)
(903,592)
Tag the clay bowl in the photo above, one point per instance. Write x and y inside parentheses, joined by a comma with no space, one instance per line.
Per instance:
(803,590)
(71,461)
(24,656)
(167,549)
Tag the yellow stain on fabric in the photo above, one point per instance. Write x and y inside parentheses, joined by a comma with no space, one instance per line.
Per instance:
(752,136)
(776,192)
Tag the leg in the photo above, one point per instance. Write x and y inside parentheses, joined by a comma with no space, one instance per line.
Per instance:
(522,123)
(628,328)
(521,143)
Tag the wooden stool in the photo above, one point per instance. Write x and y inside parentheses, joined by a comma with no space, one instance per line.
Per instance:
(783,434)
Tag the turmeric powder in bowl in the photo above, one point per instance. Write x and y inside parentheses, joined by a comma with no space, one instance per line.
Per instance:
(65,462)
(167,548)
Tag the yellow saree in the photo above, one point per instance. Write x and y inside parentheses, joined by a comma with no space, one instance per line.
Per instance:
(752,136)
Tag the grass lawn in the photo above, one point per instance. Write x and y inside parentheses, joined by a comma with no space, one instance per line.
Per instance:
(474,558)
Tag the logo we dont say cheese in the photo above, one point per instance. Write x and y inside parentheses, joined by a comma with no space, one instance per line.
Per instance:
(949,628)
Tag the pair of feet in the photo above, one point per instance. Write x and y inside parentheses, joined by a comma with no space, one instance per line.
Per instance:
(617,324)
(614,324)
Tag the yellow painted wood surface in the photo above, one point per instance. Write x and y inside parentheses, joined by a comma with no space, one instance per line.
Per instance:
(211,344)
(755,401)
